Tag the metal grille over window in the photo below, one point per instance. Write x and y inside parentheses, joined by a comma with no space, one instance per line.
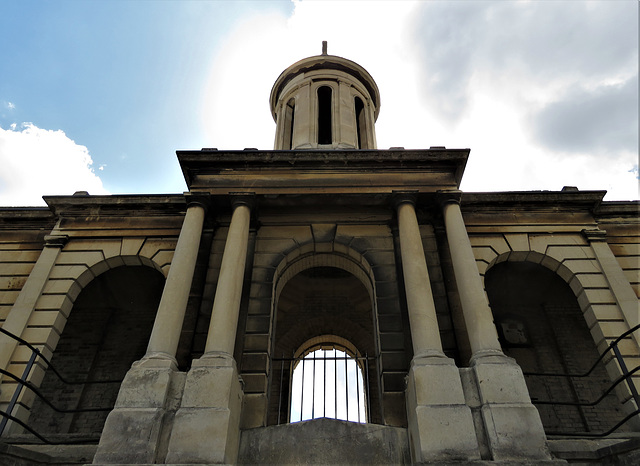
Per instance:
(329,383)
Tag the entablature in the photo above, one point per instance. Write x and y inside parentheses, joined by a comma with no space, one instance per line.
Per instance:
(322,171)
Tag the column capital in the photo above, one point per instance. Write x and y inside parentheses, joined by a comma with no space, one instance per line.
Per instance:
(198,199)
(243,198)
(448,196)
(55,241)
(404,197)
(595,235)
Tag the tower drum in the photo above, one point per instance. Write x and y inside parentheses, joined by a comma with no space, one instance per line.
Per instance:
(325,102)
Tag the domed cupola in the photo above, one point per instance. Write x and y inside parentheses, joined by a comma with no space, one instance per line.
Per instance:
(325,102)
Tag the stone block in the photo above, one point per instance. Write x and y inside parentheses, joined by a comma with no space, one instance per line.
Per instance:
(612,330)
(515,433)
(133,261)
(484,254)
(206,428)
(42,336)
(88,258)
(436,384)
(208,387)
(518,241)
(390,323)
(256,342)
(48,318)
(500,380)
(144,388)
(255,383)
(502,391)
(254,410)
(391,341)
(497,243)
(203,435)
(131,246)
(61,287)
(443,433)
(394,409)
(394,361)
(130,435)
(163,258)
(255,362)
(440,423)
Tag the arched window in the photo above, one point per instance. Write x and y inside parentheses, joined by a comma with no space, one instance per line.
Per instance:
(328,382)
(361,126)
(289,115)
(324,115)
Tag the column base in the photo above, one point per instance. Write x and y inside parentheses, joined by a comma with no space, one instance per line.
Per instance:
(133,430)
(512,424)
(440,423)
(206,428)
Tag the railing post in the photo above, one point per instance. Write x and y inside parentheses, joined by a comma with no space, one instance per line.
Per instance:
(18,390)
(625,373)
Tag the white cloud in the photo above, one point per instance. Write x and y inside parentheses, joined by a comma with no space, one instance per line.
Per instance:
(468,85)
(11,105)
(37,162)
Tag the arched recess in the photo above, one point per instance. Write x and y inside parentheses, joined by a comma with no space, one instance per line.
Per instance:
(541,325)
(314,296)
(107,329)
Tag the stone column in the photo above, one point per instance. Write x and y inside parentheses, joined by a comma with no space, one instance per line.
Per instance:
(511,423)
(618,283)
(304,123)
(167,327)
(421,308)
(440,423)
(483,336)
(346,123)
(132,432)
(25,304)
(207,426)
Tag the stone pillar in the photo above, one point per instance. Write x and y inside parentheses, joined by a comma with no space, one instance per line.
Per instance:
(207,426)
(618,283)
(511,423)
(440,422)
(304,124)
(167,327)
(25,304)
(346,124)
(132,432)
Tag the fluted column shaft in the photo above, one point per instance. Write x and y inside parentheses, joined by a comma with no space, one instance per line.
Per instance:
(475,307)
(226,304)
(421,308)
(167,327)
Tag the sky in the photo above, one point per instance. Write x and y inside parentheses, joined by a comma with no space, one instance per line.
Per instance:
(98,95)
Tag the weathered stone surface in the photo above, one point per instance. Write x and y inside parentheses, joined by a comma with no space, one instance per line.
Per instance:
(325,441)
(440,423)
(130,435)
(206,427)
(511,423)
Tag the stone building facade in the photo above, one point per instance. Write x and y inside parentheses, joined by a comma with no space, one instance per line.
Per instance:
(195,309)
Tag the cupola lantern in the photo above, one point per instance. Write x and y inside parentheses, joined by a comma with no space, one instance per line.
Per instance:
(325,102)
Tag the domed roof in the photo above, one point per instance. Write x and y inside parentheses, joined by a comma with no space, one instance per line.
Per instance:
(325,62)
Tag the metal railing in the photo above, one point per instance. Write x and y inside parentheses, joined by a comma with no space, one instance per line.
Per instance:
(318,386)
(23,382)
(625,377)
